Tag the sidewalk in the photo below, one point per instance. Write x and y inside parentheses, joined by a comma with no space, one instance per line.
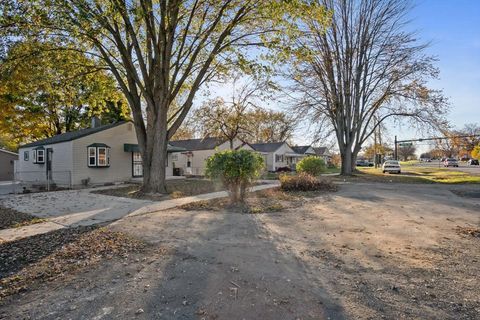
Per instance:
(72,220)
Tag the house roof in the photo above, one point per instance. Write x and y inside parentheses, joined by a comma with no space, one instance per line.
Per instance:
(130,147)
(72,135)
(198,144)
(9,152)
(300,149)
(321,151)
(267,147)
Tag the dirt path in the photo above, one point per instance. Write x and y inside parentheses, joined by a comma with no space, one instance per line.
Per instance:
(365,252)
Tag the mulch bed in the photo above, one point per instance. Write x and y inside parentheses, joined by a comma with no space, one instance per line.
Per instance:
(48,256)
(10,218)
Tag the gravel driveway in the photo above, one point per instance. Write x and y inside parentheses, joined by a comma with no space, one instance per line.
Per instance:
(73,207)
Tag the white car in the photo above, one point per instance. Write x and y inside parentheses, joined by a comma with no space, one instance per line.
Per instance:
(391,166)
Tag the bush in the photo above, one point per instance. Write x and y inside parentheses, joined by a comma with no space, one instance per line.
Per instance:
(305,182)
(312,165)
(237,169)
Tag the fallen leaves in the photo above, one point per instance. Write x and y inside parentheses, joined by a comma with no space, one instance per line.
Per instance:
(48,256)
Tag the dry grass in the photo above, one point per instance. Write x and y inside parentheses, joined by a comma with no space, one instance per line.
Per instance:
(175,189)
(414,174)
(10,218)
(264,201)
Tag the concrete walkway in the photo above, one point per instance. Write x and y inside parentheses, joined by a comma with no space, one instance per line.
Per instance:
(118,208)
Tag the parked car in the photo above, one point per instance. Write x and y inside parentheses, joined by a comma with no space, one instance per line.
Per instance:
(364,163)
(284,169)
(473,162)
(450,162)
(391,166)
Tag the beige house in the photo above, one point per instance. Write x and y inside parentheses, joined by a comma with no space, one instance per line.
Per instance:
(7,163)
(101,154)
(278,155)
(191,161)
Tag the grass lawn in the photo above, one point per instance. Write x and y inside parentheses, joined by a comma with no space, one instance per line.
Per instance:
(412,174)
(175,189)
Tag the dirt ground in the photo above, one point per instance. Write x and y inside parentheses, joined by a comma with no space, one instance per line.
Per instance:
(368,251)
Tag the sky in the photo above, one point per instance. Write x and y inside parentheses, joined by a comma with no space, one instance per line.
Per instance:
(453,29)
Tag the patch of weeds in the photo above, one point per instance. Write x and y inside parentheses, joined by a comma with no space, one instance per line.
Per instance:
(10,218)
(177,194)
(29,222)
(474,232)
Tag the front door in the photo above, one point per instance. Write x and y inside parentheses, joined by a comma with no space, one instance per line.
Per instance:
(137,165)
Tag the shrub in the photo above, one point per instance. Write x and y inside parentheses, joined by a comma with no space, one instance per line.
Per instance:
(312,165)
(305,182)
(237,169)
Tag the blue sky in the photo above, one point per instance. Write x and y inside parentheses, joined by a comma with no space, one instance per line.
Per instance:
(453,27)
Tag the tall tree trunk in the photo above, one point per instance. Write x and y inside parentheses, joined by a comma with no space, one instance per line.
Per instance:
(155,154)
(347,165)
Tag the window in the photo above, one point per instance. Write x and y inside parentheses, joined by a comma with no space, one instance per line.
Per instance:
(279,158)
(92,156)
(102,157)
(174,157)
(25,155)
(39,156)
(98,155)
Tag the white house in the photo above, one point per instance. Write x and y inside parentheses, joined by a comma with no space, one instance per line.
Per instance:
(191,161)
(100,154)
(277,155)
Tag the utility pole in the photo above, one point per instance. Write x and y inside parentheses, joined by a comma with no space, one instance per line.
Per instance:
(396,149)
(375,142)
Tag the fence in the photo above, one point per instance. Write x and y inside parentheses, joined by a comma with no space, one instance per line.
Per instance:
(39,180)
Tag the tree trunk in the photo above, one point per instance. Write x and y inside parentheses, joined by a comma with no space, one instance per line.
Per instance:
(347,165)
(349,159)
(155,154)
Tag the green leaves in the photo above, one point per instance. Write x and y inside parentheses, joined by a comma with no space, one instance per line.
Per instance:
(236,169)
(311,165)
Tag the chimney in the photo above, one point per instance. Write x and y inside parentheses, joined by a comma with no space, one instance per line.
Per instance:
(96,122)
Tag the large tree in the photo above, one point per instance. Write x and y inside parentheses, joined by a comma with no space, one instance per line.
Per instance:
(44,92)
(160,52)
(361,70)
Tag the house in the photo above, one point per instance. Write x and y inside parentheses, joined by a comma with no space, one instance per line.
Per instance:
(191,161)
(100,154)
(277,155)
(7,163)
(323,153)
(304,150)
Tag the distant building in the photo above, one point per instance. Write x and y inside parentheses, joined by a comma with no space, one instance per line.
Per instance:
(7,164)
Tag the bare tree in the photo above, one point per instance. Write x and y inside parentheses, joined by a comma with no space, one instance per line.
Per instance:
(363,66)
(406,152)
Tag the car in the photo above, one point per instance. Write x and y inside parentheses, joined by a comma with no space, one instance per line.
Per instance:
(450,162)
(473,162)
(391,166)
(284,169)
(364,163)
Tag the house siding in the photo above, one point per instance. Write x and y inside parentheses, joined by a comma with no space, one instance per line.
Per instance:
(272,164)
(120,168)
(31,172)
(7,165)
(199,157)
